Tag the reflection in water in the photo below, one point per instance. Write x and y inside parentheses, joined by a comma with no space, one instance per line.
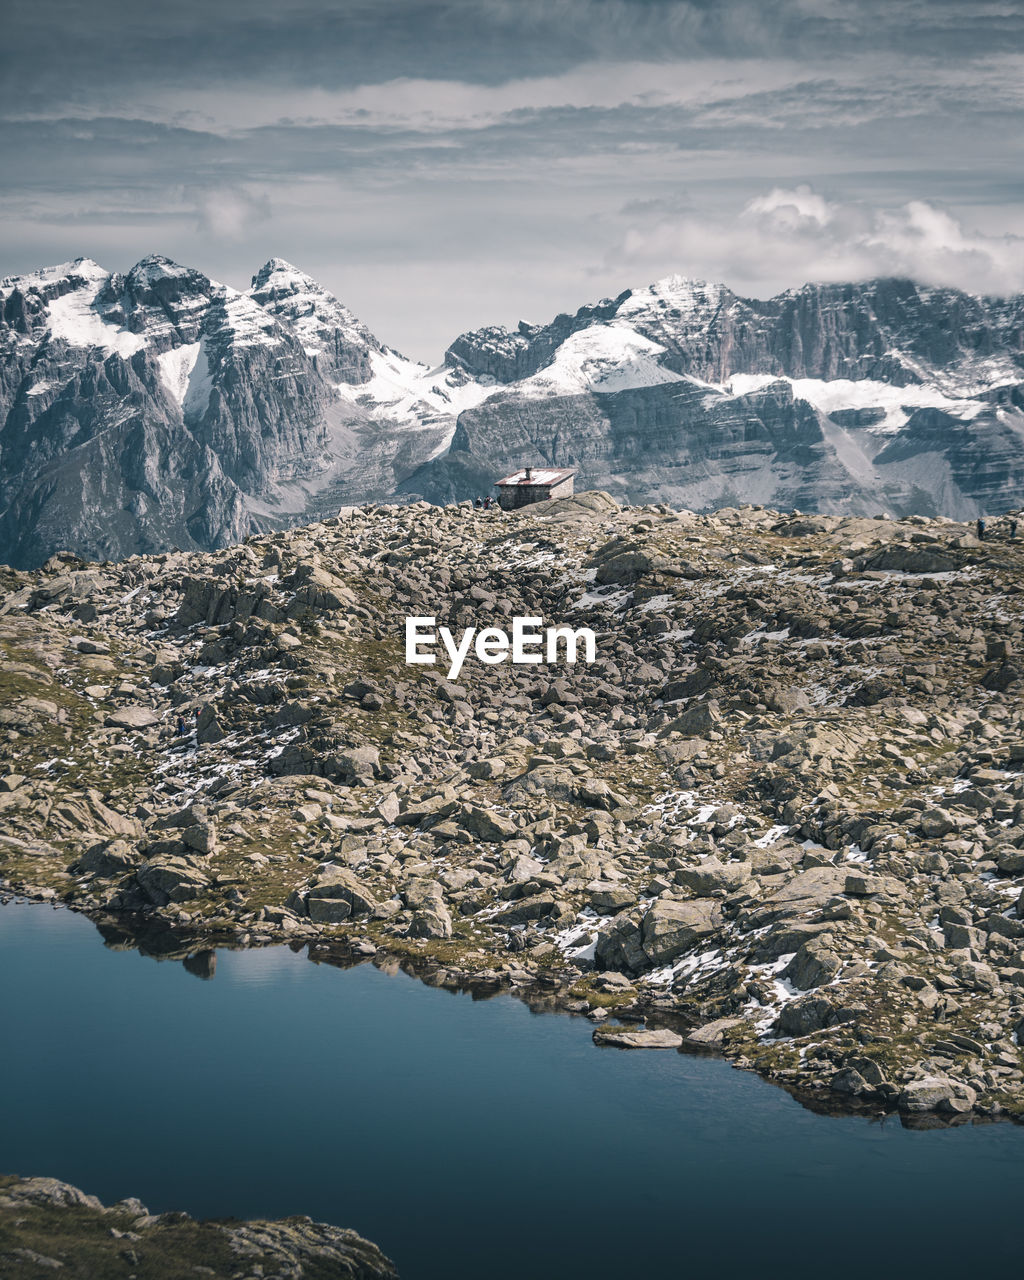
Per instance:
(203,964)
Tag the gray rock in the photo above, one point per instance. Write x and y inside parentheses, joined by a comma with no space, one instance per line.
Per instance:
(642,1038)
(484,823)
(804,1016)
(935,1093)
(327,910)
(342,884)
(711,876)
(814,965)
(131,718)
(670,928)
(170,879)
(208,728)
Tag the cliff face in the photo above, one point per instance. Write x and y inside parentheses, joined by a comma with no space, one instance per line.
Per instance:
(892,330)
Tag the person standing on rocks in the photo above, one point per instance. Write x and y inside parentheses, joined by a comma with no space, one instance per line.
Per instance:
(981,528)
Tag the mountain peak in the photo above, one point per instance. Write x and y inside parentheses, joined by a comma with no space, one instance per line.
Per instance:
(80,268)
(154,266)
(282,273)
(674,293)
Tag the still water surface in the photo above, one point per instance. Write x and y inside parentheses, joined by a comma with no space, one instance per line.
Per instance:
(472,1140)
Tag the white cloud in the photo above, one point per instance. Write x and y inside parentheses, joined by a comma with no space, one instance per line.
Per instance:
(227,212)
(786,237)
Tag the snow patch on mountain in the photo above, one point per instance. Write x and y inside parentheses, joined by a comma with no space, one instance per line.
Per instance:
(413,394)
(842,394)
(314,315)
(672,295)
(200,384)
(245,323)
(176,368)
(84,268)
(603,358)
(76,319)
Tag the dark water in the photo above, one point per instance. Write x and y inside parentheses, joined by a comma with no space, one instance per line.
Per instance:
(469,1139)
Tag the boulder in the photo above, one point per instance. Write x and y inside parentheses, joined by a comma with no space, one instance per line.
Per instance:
(340,883)
(324,910)
(712,876)
(357,765)
(131,718)
(608,898)
(485,824)
(114,858)
(620,944)
(804,1016)
(806,892)
(696,721)
(431,921)
(540,906)
(169,879)
(642,1038)
(814,965)
(713,1033)
(670,928)
(208,728)
(936,1093)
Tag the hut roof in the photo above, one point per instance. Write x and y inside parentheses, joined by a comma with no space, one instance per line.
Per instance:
(544,477)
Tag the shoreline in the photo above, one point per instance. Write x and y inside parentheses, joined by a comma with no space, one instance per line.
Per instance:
(541,991)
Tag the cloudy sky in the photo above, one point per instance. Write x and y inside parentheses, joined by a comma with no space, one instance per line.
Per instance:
(442,164)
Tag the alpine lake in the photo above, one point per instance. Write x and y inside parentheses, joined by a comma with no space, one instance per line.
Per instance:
(470,1138)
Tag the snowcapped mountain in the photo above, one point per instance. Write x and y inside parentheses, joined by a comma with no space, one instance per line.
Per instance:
(840,398)
(161,409)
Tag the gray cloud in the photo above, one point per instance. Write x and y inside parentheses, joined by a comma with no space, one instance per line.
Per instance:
(446,163)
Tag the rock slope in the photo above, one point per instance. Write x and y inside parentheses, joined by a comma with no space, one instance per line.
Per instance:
(48,1226)
(781,816)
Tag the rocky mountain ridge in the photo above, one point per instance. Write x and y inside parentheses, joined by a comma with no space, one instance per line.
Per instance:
(161,410)
(845,398)
(780,817)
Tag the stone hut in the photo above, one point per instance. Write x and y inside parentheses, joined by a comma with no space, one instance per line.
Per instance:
(534,484)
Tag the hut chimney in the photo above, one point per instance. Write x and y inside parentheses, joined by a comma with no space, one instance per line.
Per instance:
(529,473)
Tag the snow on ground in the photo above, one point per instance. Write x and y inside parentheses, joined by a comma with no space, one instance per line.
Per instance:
(246,322)
(309,309)
(864,393)
(83,267)
(200,383)
(673,293)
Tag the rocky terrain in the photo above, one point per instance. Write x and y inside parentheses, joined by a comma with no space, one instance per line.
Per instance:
(161,410)
(781,817)
(49,1227)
